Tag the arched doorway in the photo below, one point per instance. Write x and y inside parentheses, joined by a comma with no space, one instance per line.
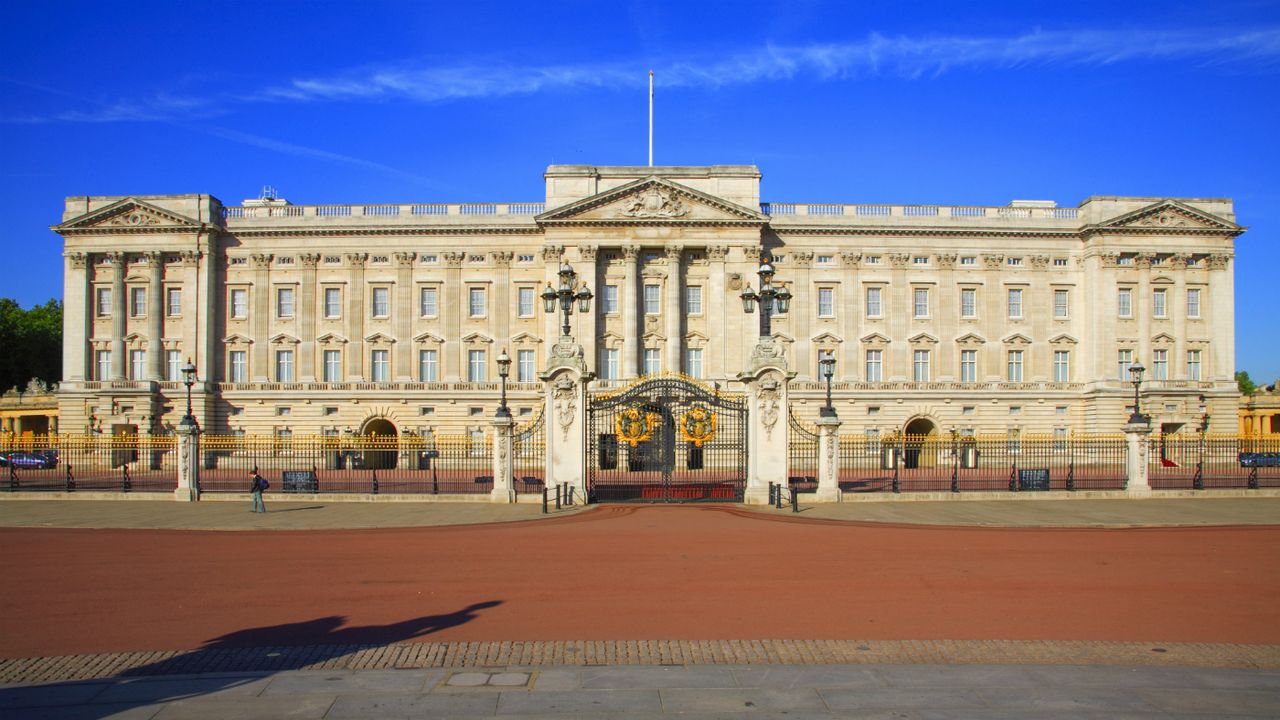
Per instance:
(380,449)
(920,444)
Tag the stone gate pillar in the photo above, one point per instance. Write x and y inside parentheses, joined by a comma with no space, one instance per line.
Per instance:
(767,405)
(503,465)
(1137,437)
(828,459)
(566,381)
(188,463)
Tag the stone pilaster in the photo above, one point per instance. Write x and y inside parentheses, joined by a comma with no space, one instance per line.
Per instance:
(119,306)
(504,310)
(715,309)
(673,310)
(77,317)
(586,330)
(403,313)
(803,308)
(630,298)
(828,459)
(355,360)
(306,312)
(155,316)
(453,309)
(850,313)
(261,308)
(1222,308)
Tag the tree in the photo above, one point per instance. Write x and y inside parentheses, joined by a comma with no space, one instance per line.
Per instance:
(32,342)
(1247,386)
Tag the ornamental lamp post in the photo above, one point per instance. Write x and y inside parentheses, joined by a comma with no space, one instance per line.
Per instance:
(828,365)
(768,295)
(188,379)
(566,295)
(504,369)
(1136,370)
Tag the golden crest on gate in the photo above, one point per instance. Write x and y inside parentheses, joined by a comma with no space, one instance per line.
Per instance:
(634,426)
(698,425)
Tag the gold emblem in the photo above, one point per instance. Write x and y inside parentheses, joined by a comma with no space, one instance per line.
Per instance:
(698,426)
(635,426)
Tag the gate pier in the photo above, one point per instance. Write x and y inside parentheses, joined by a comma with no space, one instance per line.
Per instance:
(566,381)
(767,404)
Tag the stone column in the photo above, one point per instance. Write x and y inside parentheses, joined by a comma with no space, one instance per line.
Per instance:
(1137,437)
(198,308)
(77,318)
(503,463)
(551,265)
(403,312)
(355,361)
(674,309)
(587,330)
(306,311)
(119,306)
(155,316)
(630,318)
(803,308)
(188,463)
(1142,306)
(828,459)
(452,309)
(566,381)
(716,302)
(260,310)
(1176,309)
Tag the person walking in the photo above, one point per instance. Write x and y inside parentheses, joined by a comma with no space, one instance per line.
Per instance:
(259,484)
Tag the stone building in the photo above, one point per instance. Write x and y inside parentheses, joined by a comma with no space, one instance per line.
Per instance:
(388,318)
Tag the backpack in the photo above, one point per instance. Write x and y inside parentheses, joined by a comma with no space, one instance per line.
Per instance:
(265,484)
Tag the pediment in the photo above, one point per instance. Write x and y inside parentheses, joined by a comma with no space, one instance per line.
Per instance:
(237,339)
(695,335)
(1163,339)
(922,338)
(1017,339)
(1170,215)
(525,337)
(285,339)
(379,338)
(129,215)
(330,339)
(971,339)
(427,337)
(611,336)
(874,339)
(827,338)
(783,337)
(1063,339)
(135,337)
(653,335)
(652,201)
(476,337)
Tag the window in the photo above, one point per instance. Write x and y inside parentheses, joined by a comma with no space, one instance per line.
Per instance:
(1059,262)
(872,259)
(137,365)
(1124,260)
(1124,361)
(239,303)
(609,364)
(826,302)
(1013,261)
(332,371)
(1015,302)
(284,302)
(237,366)
(428,302)
(1124,302)
(920,366)
(968,366)
(1160,365)
(477,366)
(693,300)
(103,360)
(1193,303)
(380,366)
(826,259)
(968,302)
(173,302)
(524,302)
(968,260)
(103,304)
(1061,366)
(609,300)
(332,302)
(652,361)
(1060,298)
(284,366)
(920,260)
(875,365)
(1193,365)
(1159,308)
(137,302)
(172,365)
(873,302)
(428,365)
(524,258)
(693,362)
(651,304)
(284,410)
(526,366)
(381,302)
(1015,366)
(476,302)
(920,302)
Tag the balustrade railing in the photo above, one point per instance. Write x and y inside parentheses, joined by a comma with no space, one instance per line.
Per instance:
(382,210)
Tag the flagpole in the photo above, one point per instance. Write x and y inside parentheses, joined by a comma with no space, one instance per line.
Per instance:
(650,118)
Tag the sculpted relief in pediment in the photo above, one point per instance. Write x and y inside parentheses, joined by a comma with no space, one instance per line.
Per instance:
(653,202)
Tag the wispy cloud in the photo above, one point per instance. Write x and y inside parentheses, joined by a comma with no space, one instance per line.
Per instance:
(908,57)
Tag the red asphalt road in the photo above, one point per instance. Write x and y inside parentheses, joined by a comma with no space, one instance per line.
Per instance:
(673,572)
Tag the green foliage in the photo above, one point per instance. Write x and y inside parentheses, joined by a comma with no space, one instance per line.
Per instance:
(30,343)
(1247,386)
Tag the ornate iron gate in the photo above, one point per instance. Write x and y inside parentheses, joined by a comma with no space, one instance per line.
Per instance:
(667,439)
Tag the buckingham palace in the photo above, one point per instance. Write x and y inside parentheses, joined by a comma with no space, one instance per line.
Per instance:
(1023,317)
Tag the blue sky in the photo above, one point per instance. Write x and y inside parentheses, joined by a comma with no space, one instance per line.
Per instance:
(964,103)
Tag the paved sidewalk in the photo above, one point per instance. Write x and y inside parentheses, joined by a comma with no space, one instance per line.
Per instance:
(918,692)
(324,515)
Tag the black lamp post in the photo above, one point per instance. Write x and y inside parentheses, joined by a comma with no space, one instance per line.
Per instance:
(767,295)
(1197,482)
(1136,371)
(504,369)
(828,364)
(566,295)
(189,379)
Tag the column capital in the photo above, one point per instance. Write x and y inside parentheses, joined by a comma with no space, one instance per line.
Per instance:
(587,253)
(717,253)
(1218,261)
(155,258)
(79,260)
(453,259)
(802,258)
(357,260)
(630,253)
(673,252)
(552,252)
(405,259)
(189,257)
(851,259)
(260,261)
(1039,262)
(899,260)
(501,258)
(1144,260)
(309,260)
(118,259)
(993,261)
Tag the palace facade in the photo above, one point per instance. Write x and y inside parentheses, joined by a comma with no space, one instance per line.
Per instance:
(389,318)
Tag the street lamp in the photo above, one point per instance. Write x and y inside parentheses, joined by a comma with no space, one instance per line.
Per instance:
(189,379)
(767,296)
(567,295)
(828,364)
(1136,371)
(504,369)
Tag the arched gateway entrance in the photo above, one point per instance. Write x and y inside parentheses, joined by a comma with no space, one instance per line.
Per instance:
(380,444)
(666,439)
(920,444)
